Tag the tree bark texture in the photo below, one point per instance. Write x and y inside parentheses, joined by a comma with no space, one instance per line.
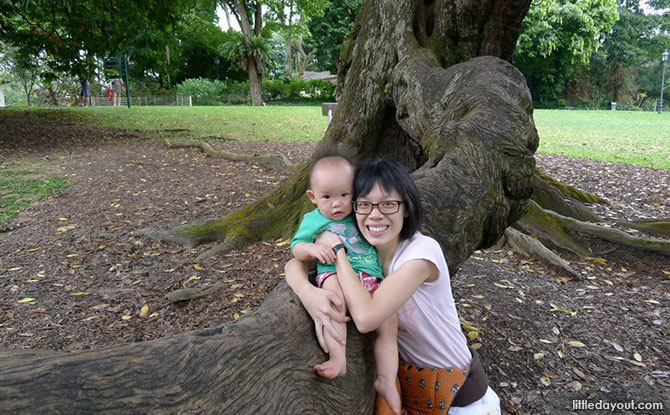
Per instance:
(260,364)
(255,87)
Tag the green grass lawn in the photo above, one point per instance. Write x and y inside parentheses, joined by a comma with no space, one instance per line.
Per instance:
(276,123)
(624,137)
(18,190)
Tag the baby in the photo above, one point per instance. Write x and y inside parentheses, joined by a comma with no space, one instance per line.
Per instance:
(331,183)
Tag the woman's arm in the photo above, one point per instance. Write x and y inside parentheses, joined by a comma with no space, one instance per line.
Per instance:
(322,305)
(369,312)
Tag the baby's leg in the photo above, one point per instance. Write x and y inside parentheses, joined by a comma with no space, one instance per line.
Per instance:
(336,365)
(386,357)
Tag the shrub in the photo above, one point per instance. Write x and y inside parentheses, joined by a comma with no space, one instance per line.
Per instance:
(203,91)
(207,92)
(235,92)
(298,90)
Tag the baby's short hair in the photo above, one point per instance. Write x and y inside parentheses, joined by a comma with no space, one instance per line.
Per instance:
(326,152)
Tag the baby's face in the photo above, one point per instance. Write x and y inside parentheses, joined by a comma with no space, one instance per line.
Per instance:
(332,188)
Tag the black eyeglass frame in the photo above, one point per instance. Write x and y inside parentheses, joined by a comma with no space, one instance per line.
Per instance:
(373,205)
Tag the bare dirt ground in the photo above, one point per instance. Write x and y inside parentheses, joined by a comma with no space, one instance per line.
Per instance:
(545,339)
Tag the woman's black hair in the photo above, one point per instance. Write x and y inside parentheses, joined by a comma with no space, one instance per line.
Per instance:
(391,175)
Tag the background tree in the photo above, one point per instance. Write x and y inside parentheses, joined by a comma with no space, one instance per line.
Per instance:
(199,40)
(632,50)
(557,41)
(329,31)
(71,33)
(252,55)
(249,47)
(187,49)
(290,18)
(23,66)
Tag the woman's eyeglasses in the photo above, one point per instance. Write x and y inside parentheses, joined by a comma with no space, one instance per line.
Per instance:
(386,207)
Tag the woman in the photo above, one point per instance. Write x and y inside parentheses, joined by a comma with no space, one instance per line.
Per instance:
(417,287)
(117,87)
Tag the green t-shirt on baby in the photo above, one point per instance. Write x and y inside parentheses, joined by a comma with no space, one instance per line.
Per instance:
(361,254)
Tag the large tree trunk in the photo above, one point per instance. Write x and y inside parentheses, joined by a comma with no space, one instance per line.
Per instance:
(2,95)
(288,55)
(426,82)
(254,71)
(255,88)
(260,364)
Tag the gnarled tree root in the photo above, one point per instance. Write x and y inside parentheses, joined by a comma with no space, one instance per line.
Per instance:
(564,226)
(659,227)
(546,224)
(276,161)
(563,199)
(275,216)
(533,248)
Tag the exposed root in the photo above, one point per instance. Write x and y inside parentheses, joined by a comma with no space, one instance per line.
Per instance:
(659,227)
(570,191)
(558,229)
(563,199)
(546,224)
(275,216)
(276,161)
(533,248)
(191,293)
(228,245)
(659,246)
(169,236)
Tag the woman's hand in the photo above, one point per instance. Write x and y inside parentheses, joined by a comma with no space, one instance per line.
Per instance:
(328,238)
(322,305)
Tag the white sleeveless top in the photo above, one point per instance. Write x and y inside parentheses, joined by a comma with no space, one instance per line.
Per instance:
(429,331)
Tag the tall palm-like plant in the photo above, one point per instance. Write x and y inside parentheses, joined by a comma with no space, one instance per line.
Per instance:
(234,49)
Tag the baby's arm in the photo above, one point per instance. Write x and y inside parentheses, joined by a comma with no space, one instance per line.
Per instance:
(306,251)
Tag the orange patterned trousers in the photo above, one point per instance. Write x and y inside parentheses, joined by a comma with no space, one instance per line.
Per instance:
(425,391)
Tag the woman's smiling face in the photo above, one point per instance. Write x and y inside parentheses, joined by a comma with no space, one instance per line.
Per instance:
(380,230)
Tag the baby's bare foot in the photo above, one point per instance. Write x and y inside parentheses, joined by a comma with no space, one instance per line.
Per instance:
(387,389)
(331,369)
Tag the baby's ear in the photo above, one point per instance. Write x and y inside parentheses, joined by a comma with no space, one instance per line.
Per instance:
(311,196)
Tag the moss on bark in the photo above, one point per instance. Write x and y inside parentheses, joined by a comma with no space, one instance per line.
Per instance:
(659,227)
(550,194)
(570,191)
(543,223)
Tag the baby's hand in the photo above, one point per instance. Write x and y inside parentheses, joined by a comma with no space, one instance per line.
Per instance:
(323,253)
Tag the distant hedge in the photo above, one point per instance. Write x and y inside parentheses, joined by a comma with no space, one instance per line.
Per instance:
(209,92)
